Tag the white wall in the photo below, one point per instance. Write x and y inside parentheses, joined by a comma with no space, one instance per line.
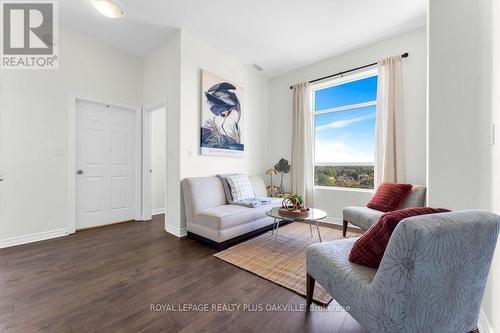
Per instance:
(33,108)
(491,302)
(158,160)
(464,99)
(161,82)
(280,109)
(453,104)
(195,56)
(489,88)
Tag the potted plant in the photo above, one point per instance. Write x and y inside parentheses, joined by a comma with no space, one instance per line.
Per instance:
(282,167)
(293,206)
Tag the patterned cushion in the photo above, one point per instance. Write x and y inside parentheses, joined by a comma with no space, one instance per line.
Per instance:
(389,196)
(369,248)
(241,188)
(227,188)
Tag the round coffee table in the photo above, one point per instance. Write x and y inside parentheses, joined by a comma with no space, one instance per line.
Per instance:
(314,216)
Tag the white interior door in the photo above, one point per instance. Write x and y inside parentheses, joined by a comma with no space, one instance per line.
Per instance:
(158,160)
(147,166)
(154,161)
(105,164)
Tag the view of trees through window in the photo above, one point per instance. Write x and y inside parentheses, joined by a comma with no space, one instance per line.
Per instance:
(345,133)
(353,176)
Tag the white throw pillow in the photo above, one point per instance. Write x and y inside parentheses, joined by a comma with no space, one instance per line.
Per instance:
(240,187)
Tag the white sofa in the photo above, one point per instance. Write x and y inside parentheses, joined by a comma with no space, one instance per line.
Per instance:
(211,219)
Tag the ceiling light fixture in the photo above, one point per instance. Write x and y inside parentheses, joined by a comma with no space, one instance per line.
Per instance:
(108,8)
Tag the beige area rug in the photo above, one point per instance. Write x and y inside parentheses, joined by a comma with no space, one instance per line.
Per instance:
(284,261)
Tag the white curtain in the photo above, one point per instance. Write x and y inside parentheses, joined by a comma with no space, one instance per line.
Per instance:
(389,128)
(302,145)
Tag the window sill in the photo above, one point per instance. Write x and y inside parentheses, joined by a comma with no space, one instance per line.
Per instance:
(344,189)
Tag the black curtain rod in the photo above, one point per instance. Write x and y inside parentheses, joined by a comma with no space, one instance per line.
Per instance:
(404,55)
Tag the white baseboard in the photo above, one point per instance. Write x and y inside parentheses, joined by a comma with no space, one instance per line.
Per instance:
(158,211)
(483,324)
(19,240)
(175,230)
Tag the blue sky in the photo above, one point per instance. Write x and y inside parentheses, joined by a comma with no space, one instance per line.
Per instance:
(346,136)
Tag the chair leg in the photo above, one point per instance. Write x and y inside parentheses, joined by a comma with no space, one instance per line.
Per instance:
(310,290)
(344,228)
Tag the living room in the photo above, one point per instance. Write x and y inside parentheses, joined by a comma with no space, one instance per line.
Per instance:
(250,203)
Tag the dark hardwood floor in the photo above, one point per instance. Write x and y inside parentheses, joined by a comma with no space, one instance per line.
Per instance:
(105,280)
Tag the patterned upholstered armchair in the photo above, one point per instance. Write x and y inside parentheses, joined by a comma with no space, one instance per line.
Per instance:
(431,278)
(364,217)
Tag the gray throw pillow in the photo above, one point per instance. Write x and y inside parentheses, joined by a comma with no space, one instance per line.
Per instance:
(227,188)
(241,188)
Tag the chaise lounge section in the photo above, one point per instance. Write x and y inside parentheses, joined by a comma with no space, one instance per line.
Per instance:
(364,217)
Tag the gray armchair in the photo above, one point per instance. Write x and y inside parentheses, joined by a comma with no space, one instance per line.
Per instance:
(364,217)
(431,278)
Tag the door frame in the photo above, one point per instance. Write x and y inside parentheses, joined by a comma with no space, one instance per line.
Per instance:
(71,151)
(146,156)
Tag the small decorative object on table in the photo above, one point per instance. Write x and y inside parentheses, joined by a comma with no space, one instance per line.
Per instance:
(293,206)
(275,192)
(271,190)
(271,173)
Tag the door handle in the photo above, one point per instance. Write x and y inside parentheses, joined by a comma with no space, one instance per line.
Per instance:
(1,178)
(80,172)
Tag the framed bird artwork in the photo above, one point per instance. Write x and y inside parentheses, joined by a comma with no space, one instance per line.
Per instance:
(221,118)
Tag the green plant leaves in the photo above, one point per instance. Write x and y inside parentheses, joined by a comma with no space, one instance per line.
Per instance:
(282,166)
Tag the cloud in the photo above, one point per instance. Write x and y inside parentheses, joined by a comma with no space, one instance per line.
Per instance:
(344,122)
(329,151)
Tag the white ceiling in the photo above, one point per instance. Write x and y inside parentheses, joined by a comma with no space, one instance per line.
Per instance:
(279,35)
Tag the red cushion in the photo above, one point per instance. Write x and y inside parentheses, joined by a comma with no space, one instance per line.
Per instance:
(389,197)
(369,249)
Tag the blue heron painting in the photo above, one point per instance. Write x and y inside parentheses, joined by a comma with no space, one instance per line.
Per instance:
(221,117)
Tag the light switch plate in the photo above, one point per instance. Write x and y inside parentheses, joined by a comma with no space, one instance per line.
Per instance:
(492,134)
(59,151)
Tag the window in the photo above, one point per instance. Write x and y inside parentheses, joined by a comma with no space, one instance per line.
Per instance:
(344,118)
